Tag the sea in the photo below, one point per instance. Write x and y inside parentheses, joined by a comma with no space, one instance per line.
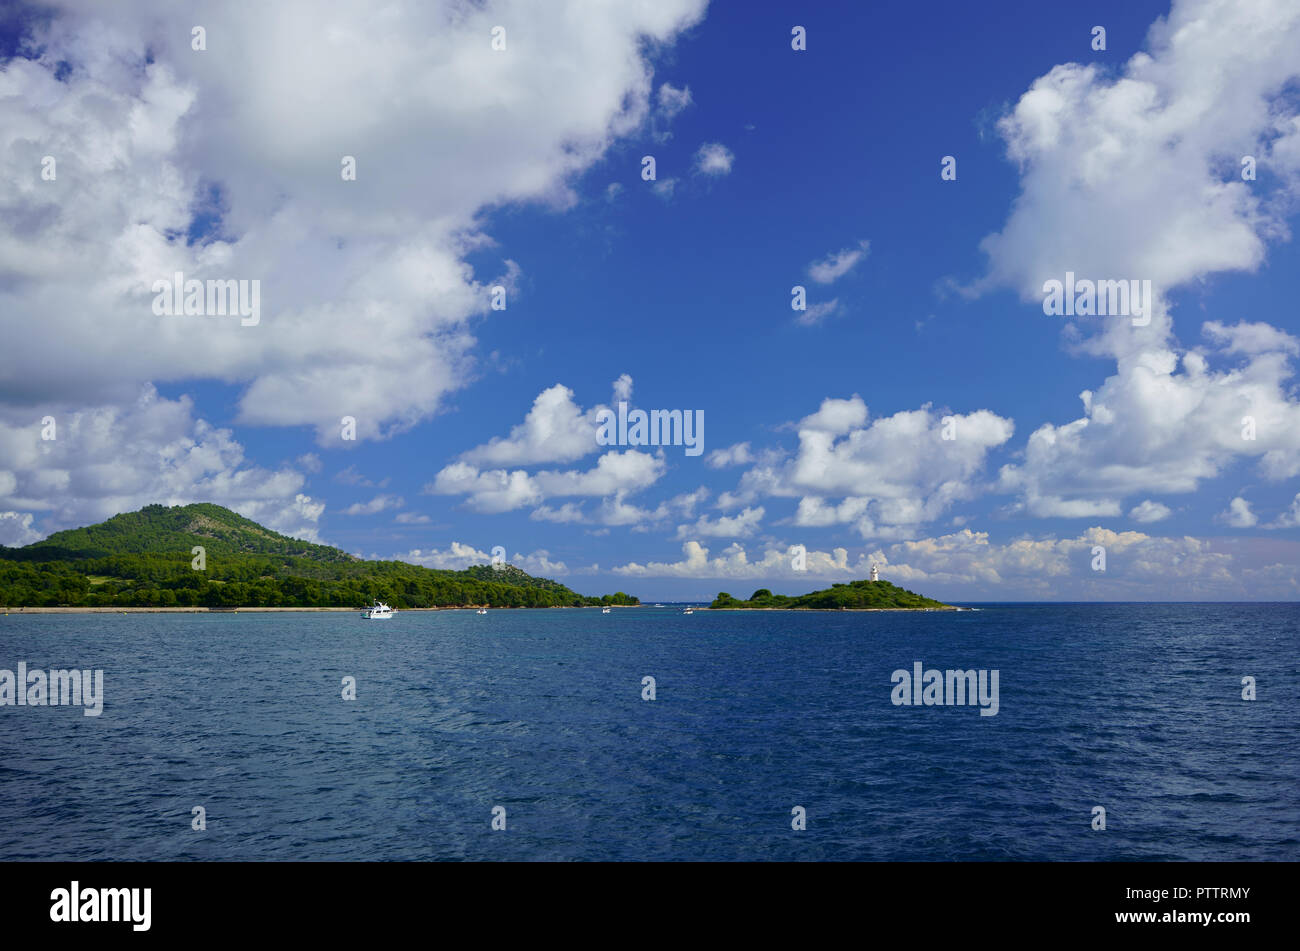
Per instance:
(648,734)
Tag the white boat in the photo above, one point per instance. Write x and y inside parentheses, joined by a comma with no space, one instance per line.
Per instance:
(689,611)
(481,611)
(378,612)
(604,610)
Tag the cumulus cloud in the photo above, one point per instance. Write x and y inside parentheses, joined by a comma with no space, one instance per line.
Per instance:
(1135,175)
(733,562)
(497,490)
(1238,514)
(1166,424)
(617,510)
(726,526)
(458,556)
(366,295)
(1048,568)
(1050,565)
(555,430)
(16,529)
(1290,518)
(112,459)
(885,477)
(1149,511)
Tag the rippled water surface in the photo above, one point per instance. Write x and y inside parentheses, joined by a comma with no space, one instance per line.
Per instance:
(1136,708)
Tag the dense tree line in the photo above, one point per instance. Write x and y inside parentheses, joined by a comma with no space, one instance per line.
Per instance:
(854,594)
(254,581)
(144,559)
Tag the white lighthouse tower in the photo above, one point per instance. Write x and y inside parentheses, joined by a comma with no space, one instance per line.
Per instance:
(875,572)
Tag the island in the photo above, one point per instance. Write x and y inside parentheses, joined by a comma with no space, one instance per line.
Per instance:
(151,560)
(865,595)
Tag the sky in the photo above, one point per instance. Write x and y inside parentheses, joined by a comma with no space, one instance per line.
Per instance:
(464,259)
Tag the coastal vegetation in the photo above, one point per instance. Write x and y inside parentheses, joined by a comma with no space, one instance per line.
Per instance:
(146,559)
(853,595)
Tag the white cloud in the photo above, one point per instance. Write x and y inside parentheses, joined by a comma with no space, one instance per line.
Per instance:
(555,430)
(1131,175)
(726,526)
(378,504)
(1238,514)
(664,188)
(1250,338)
(890,475)
(836,265)
(375,324)
(673,100)
(969,562)
(455,557)
(737,455)
(814,315)
(112,459)
(458,556)
(734,563)
(1050,566)
(1136,175)
(1290,518)
(1163,424)
(616,510)
(16,529)
(412,518)
(497,490)
(714,158)
(569,512)
(836,416)
(1149,511)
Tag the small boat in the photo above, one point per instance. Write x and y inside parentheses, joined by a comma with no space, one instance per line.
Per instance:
(689,611)
(481,611)
(378,612)
(659,605)
(604,610)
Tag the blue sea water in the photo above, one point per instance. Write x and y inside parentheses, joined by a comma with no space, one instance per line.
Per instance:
(1133,707)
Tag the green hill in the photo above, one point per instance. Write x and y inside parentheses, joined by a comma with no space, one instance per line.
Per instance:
(855,595)
(158,529)
(143,559)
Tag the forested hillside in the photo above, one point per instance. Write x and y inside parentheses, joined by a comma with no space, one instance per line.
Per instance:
(145,559)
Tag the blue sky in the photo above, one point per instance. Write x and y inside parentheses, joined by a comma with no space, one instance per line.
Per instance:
(522,168)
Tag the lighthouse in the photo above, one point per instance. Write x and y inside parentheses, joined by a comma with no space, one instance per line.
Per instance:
(875,573)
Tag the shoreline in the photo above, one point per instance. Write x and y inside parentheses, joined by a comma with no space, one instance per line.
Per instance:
(946,607)
(258,610)
(467,607)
